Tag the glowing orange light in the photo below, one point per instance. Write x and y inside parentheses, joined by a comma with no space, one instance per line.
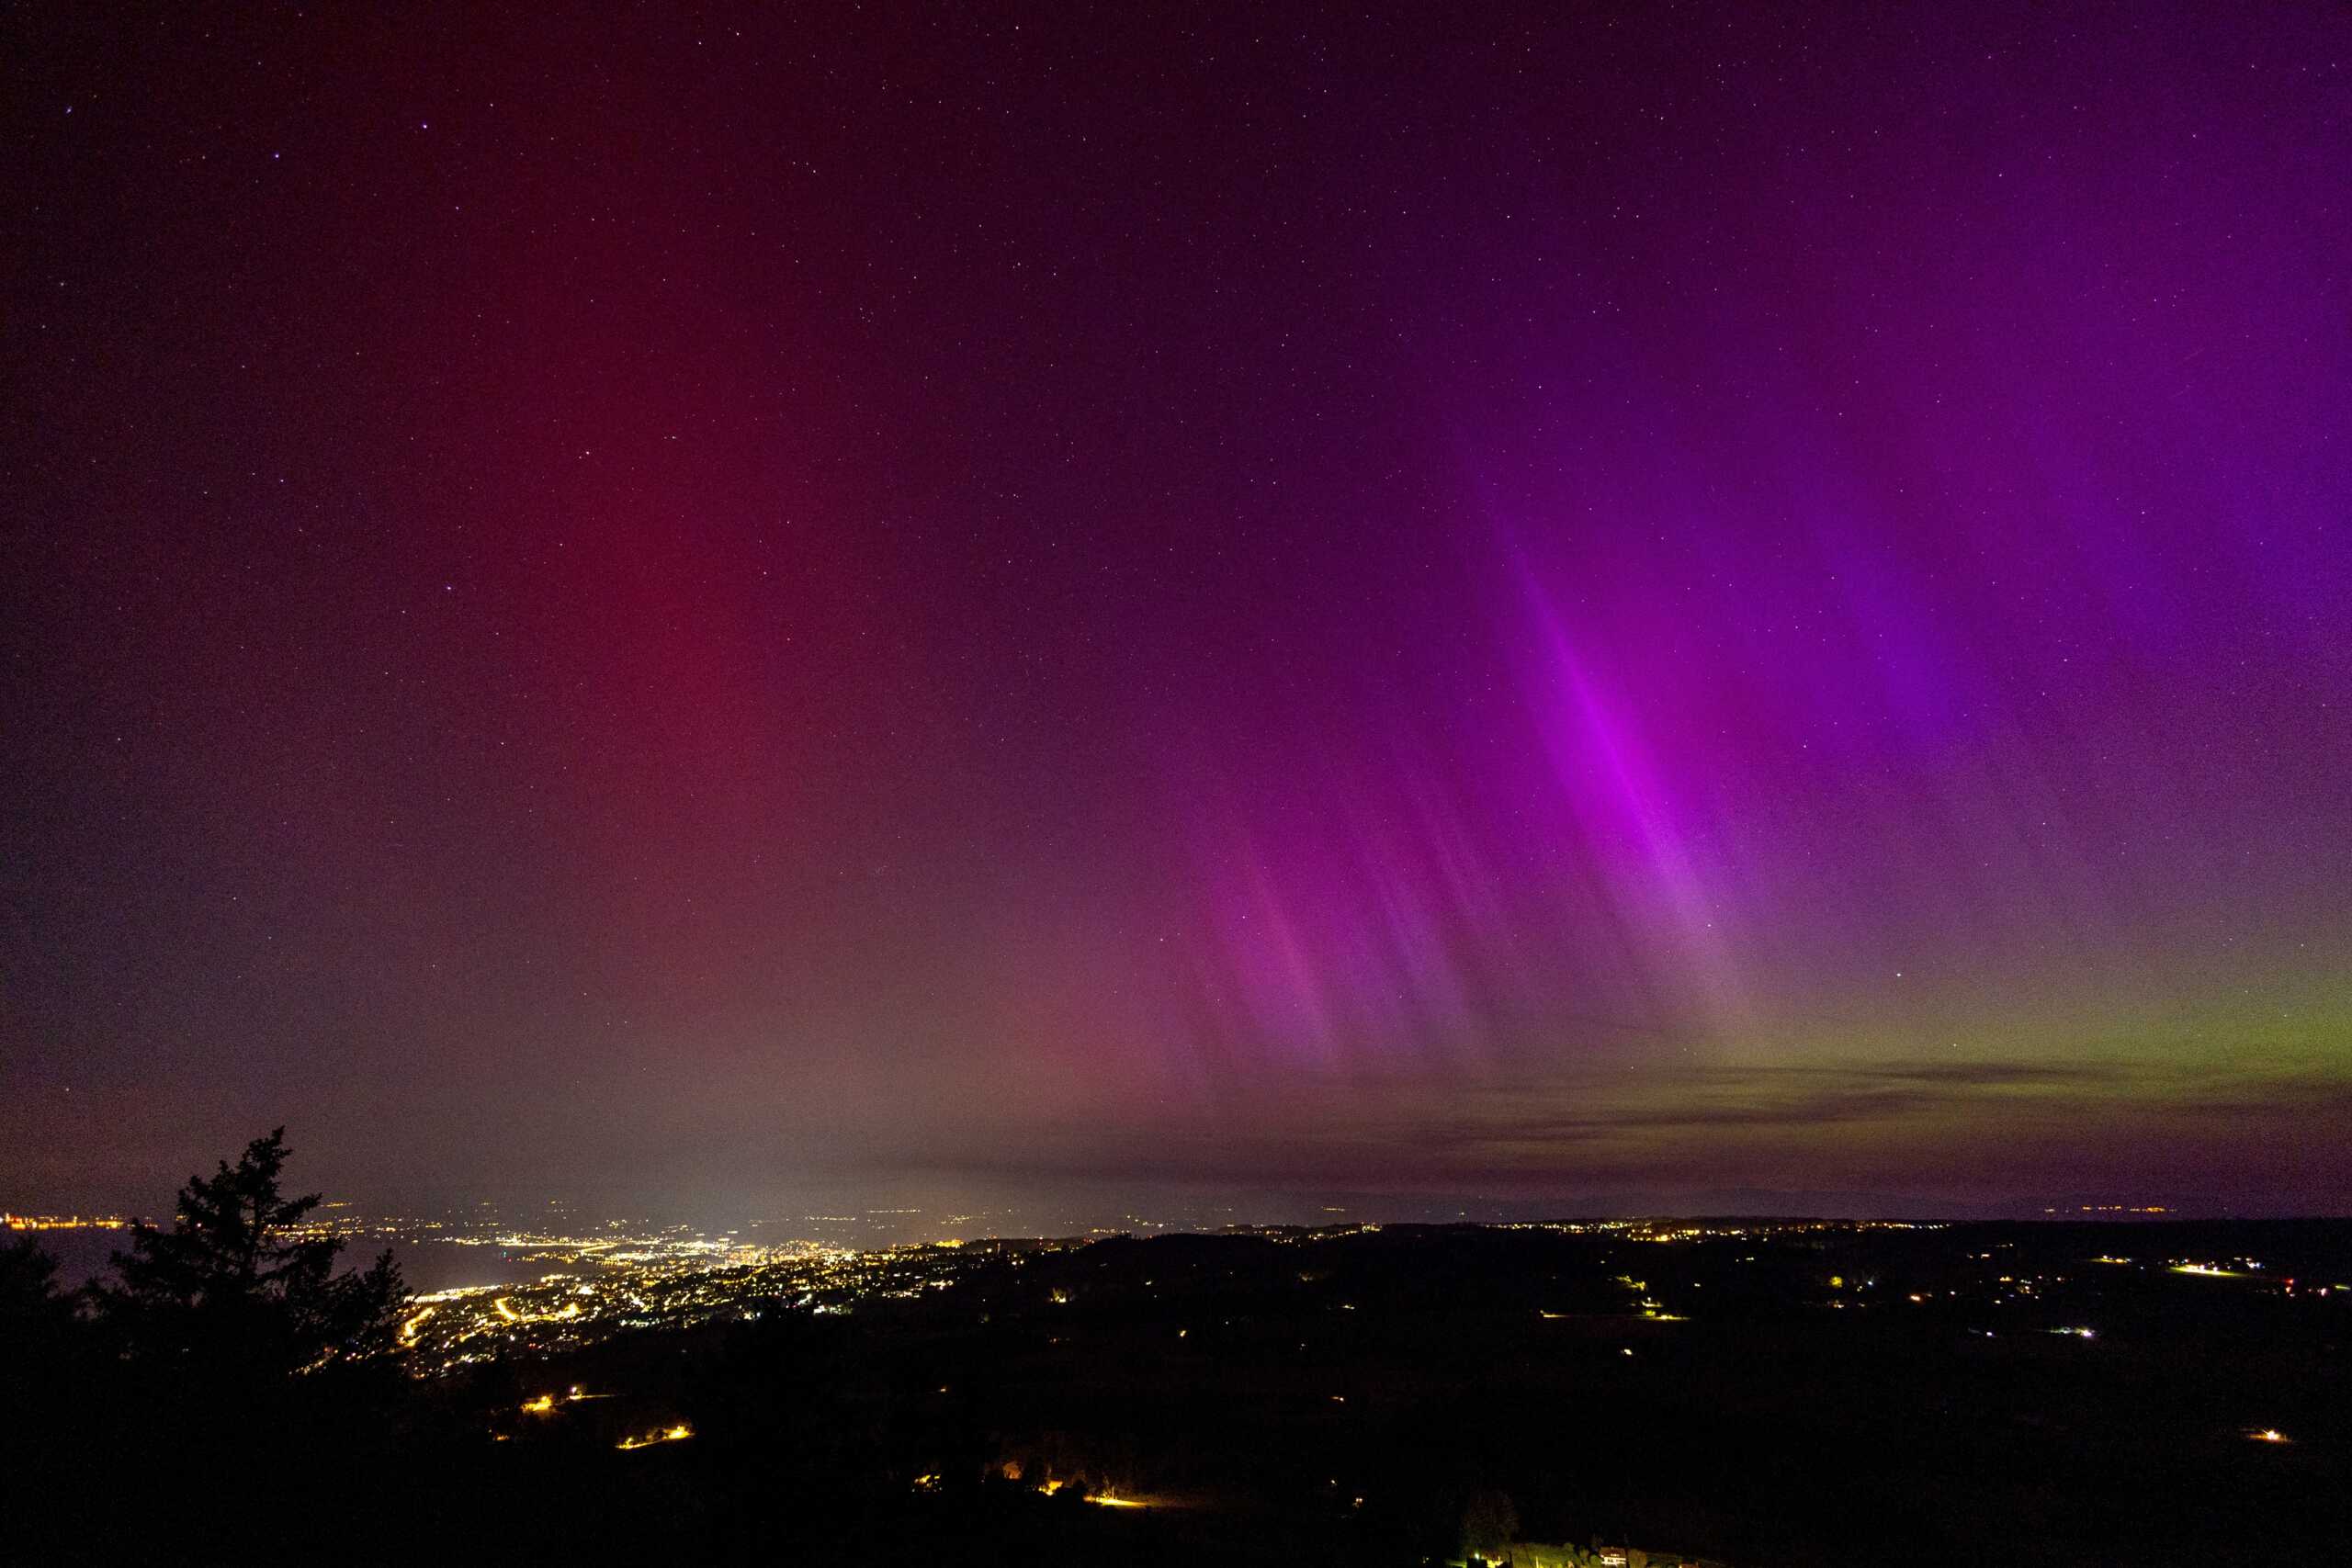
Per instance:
(676,1434)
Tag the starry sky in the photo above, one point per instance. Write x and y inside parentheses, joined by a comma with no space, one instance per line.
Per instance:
(1559,601)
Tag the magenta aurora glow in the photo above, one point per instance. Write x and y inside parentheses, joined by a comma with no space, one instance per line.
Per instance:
(1549,601)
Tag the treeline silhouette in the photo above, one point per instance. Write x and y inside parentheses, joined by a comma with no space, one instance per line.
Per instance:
(221,1398)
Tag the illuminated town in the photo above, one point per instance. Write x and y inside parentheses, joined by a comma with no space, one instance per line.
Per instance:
(600,1286)
(574,1291)
(566,1292)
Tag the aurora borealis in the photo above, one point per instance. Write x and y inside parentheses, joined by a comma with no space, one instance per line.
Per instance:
(1545,600)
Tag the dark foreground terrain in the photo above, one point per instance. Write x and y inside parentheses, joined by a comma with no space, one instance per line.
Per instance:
(1752,1395)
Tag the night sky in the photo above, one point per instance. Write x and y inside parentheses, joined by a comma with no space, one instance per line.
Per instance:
(1564,600)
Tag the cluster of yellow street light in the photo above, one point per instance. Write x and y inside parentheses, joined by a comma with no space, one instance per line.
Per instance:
(677,1434)
(546,1402)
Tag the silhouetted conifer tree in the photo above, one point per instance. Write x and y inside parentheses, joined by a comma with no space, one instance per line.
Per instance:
(29,1301)
(236,1278)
